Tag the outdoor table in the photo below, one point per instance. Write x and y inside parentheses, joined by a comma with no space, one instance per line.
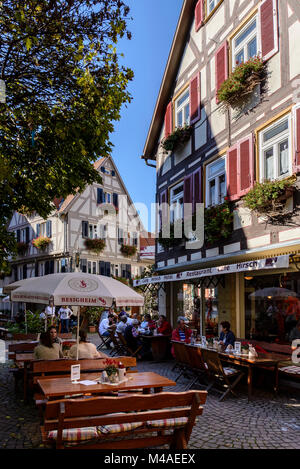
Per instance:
(58,387)
(159,345)
(266,360)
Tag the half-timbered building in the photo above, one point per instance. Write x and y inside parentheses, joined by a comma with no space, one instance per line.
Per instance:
(225,152)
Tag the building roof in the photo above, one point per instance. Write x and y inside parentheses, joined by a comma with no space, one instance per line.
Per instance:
(166,89)
(147,239)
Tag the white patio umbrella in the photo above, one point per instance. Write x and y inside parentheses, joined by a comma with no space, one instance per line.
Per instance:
(272,293)
(77,289)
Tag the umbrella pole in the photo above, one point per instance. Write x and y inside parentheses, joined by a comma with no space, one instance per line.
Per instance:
(77,333)
(24,304)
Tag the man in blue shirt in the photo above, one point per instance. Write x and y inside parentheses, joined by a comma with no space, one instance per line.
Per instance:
(227,337)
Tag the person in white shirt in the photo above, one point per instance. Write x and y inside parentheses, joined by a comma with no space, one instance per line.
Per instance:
(64,315)
(122,324)
(50,312)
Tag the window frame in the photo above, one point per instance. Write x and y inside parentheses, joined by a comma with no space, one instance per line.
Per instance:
(215,177)
(210,14)
(171,199)
(186,90)
(243,28)
(274,143)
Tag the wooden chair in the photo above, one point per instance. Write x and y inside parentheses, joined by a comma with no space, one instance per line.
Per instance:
(128,350)
(118,348)
(182,359)
(287,374)
(124,422)
(220,374)
(105,341)
(197,365)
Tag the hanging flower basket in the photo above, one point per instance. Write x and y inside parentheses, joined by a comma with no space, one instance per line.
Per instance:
(96,245)
(218,222)
(241,83)
(22,248)
(41,242)
(128,250)
(269,198)
(177,139)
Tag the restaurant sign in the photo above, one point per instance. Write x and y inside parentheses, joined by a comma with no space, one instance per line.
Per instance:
(279,262)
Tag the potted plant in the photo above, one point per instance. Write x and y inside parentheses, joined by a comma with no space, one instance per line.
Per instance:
(92,316)
(245,77)
(268,198)
(128,250)
(177,138)
(111,371)
(41,242)
(96,245)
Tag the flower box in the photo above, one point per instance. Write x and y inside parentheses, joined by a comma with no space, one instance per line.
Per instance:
(177,138)
(128,250)
(96,245)
(41,243)
(241,83)
(218,223)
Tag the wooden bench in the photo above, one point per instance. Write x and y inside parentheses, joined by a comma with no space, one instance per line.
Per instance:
(21,347)
(142,421)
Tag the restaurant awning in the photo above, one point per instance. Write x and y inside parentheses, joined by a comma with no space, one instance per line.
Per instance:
(278,262)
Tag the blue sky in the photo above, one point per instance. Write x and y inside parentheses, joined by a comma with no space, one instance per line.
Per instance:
(153,27)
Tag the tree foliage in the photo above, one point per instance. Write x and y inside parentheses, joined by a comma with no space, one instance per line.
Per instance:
(64,90)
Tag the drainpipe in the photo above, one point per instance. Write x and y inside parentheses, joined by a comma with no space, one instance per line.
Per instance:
(146,161)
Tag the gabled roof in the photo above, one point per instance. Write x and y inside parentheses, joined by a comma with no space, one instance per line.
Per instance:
(166,89)
(61,207)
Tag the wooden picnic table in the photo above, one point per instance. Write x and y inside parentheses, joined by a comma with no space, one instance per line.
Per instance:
(59,387)
(159,345)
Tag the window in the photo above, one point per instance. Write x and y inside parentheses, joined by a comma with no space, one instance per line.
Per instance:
(211,5)
(245,43)
(176,202)
(275,150)
(215,182)
(182,109)
(93,231)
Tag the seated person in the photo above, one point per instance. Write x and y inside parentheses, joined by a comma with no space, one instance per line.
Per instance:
(122,324)
(164,327)
(148,323)
(131,335)
(47,349)
(85,349)
(182,333)
(105,324)
(227,337)
(54,337)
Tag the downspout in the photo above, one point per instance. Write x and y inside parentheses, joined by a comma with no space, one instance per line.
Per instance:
(146,161)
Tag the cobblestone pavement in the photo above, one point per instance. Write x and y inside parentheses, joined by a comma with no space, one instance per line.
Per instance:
(268,422)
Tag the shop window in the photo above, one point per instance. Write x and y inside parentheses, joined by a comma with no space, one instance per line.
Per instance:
(176,202)
(272,307)
(182,109)
(215,182)
(275,150)
(245,43)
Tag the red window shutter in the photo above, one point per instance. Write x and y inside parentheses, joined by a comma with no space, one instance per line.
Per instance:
(168,120)
(232,173)
(246,165)
(269,28)
(195,108)
(188,190)
(197,188)
(296,165)
(221,59)
(199,15)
